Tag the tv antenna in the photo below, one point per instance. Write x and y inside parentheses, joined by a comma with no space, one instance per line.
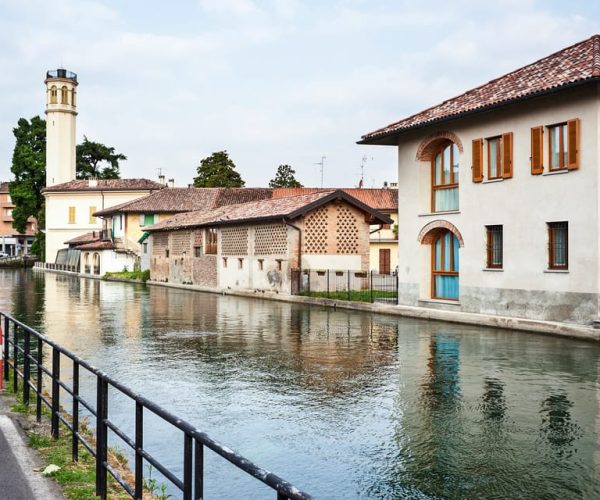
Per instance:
(322,165)
(362,169)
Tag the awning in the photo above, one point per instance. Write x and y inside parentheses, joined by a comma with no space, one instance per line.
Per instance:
(144,236)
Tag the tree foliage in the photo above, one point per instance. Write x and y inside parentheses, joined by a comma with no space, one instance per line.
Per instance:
(95,160)
(284,178)
(29,171)
(218,170)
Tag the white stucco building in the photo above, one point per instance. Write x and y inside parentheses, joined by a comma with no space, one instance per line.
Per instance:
(499,194)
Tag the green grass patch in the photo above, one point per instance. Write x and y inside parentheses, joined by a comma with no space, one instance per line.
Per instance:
(353,295)
(130,275)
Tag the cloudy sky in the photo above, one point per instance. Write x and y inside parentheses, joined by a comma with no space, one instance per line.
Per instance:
(271,81)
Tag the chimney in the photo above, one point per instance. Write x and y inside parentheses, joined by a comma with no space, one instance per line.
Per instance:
(92,182)
(171,183)
(161,179)
(385,184)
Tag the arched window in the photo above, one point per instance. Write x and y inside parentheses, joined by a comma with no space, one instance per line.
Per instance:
(86,263)
(96,263)
(53,95)
(73,97)
(444,178)
(64,95)
(444,266)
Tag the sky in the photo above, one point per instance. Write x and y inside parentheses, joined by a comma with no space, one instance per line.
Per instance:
(272,81)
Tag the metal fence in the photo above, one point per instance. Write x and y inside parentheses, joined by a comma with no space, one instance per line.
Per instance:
(362,286)
(22,355)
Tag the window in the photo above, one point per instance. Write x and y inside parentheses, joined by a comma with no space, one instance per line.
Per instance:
(92,218)
(444,266)
(166,252)
(494,247)
(197,251)
(71,215)
(145,247)
(260,264)
(563,147)
(558,146)
(64,95)
(211,241)
(53,95)
(148,219)
(444,179)
(73,97)
(558,236)
(278,264)
(494,157)
(240,263)
(224,261)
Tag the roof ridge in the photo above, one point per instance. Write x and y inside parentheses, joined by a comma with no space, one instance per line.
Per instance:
(594,39)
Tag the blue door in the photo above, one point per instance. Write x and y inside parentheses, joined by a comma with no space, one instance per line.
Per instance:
(444,266)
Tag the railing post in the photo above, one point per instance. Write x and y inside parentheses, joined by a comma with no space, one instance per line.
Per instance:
(328,271)
(38,402)
(139,446)
(55,392)
(101,436)
(371,286)
(187,466)
(5,352)
(15,358)
(397,287)
(199,471)
(75,411)
(26,365)
(308,282)
(348,284)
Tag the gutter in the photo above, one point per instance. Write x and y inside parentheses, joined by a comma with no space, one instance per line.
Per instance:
(287,223)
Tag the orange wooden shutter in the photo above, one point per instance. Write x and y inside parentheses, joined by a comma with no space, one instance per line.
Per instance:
(507,155)
(537,166)
(477,160)
(573,138)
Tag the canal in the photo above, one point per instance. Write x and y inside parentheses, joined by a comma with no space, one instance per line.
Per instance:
(343,404)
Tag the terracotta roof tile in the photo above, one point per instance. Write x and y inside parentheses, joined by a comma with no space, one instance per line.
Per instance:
(106,185)
(97,245)
(258,211)
(84,238)
(575,64)
(233,196)
(377,198)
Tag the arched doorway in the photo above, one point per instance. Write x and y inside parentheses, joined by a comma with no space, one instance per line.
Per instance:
(445,266)
(86,263)
(96,263)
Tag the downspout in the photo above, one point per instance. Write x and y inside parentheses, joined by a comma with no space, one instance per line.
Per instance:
(287,223)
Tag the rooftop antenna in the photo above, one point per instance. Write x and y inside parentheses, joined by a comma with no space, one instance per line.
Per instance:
(362,170)
(322,165)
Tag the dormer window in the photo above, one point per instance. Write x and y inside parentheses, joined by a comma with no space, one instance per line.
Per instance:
(53,95)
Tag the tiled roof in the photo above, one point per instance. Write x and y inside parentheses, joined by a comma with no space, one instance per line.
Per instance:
(168,200)
(97,245)
(106,185)
(4,186)
(377,198)
(289,207)
(576,64)
(233,196)
(84,238)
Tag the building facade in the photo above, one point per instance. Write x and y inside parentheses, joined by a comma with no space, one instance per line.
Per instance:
(499,189)
(11,241)
(255,246)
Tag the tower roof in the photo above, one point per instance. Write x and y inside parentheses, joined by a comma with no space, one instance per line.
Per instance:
(61,74)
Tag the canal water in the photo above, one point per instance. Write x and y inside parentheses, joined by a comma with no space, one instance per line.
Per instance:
(343,404)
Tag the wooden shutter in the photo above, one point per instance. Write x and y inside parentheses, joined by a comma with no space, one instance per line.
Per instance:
(477,159)
(573,139)
(507,155)
(537,165)
(92,218)
(71,215)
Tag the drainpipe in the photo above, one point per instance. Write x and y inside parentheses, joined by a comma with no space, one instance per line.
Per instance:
(285,221)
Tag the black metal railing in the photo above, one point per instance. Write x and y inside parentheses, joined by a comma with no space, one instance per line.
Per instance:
(61,73)
(27,363)
(361,286)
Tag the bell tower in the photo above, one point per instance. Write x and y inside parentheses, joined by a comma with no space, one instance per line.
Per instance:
(61,113)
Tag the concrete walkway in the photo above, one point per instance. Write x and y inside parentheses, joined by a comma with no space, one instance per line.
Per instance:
(18,462)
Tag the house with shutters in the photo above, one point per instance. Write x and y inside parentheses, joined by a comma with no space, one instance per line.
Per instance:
(499,189)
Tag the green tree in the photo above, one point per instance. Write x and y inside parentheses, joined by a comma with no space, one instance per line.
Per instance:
(95,160)
(29,171)
(218,170)
(285,178)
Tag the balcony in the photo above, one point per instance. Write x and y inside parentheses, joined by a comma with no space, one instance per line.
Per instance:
(61,73)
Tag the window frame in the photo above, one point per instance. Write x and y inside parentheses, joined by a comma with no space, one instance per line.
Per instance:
(211,239)
(563,149)
(552,226)
(499,166)
(434,272)
(453,184)
(490,232)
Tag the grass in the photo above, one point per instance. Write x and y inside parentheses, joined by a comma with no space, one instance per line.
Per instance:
(354,295)
(130,275)
(77,479)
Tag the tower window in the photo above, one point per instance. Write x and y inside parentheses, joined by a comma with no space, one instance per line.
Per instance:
(53,95)
(73,97)
(64,95)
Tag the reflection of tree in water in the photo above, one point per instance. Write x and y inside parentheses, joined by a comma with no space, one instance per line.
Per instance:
(493,402)
(557,427)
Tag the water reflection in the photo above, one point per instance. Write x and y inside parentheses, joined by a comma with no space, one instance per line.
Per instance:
(347,405)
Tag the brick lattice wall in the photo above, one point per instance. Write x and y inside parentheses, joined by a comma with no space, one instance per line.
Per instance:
(346,231)
(234,241)
(270,240)
(316,231)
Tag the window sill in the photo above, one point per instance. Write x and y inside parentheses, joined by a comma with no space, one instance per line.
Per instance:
(441,301)
(493,270)
(557,271)
(556,172)
(439,213)
(491,181)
